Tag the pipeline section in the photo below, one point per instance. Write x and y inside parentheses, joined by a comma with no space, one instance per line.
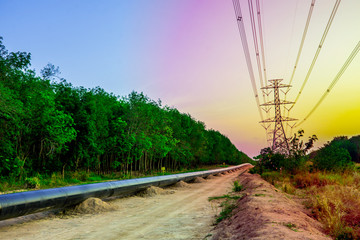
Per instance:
(24,203)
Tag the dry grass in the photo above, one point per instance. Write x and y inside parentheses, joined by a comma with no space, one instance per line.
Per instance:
(288,188)
(334,199)
(307,179)
(338,208)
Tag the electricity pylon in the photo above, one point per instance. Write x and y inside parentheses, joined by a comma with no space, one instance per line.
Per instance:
(279,141)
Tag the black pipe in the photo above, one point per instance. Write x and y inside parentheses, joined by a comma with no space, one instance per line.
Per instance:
(23,203)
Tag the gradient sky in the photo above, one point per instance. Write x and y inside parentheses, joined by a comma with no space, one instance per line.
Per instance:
(189,54)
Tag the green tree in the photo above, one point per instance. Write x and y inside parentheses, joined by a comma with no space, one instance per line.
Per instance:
(332,157)
(47,125)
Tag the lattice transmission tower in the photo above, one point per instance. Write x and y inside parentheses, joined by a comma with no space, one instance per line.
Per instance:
(279,141)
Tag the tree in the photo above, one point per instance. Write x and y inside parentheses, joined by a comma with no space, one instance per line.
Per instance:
(50,126)
(297,146)
(332,157)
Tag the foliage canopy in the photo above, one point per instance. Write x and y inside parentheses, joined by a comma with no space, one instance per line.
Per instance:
(47,125)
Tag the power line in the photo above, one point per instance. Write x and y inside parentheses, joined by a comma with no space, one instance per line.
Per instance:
(302,40)
(262,48)
(292,33)
(253,29)
(241,27)
(333,13)
(337,77)
(299,53)
(261,39)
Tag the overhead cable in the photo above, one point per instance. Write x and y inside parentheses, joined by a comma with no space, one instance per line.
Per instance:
(253,29)
(261,39)
(302,40)
(241,27)
(333,13)
(300,50)
(337,77)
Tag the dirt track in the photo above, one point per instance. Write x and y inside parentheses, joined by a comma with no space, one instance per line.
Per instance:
(185,214)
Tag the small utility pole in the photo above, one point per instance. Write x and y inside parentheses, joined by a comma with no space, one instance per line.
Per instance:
(279,141)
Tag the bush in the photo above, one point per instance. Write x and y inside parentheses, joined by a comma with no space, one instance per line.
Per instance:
(81,175)
(56,180)
(272,177)
(33,182)
(332,158)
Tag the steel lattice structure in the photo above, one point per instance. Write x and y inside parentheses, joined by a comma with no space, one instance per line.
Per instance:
(279,140)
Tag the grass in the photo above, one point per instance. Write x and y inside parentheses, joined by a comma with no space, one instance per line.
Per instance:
(237,187)
(288,188)
(333,197)
(227,208)
(338,208)
(56,179)
(229,203)
(259,195)
(291,226)
(227,196)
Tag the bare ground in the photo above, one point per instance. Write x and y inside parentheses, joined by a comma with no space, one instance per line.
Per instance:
(185,213)
(266,213)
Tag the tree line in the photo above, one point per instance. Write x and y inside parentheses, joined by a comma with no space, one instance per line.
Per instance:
(339,154)
(51,126)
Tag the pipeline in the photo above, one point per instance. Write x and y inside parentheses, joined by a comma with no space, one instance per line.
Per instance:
(24,203)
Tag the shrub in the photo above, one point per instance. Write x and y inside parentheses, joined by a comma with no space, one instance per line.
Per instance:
(33,182)
(271,177)
(332,158)
(81,175)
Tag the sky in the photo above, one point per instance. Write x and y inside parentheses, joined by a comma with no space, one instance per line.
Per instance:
(189,54)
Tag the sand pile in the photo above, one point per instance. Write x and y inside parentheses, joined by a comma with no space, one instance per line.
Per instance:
(199,180)
(218,175)
(210,177)
(89,206)
(93,205)
(153,191)
(181,184)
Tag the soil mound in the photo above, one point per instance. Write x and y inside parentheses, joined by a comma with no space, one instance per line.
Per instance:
(153,191)
(210,177)
(266,213)
(218,175)
(199,180)
(89,206)
(181,184)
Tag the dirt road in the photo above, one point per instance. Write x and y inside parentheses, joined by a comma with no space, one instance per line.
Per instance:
(185,214)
